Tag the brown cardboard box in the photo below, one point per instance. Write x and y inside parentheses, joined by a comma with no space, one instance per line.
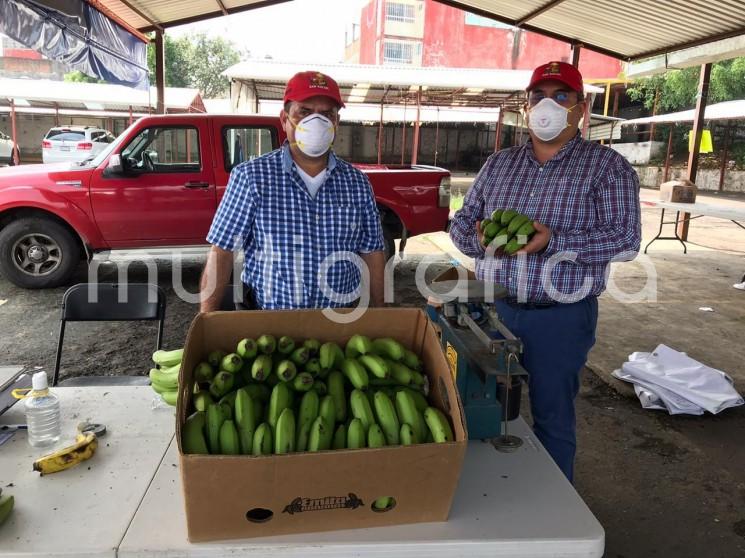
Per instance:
(679,191)
(330,490)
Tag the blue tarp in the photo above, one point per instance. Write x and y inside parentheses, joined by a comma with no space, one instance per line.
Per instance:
(75,33)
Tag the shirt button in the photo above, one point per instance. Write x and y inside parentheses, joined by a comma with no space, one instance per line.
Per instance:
(318,217)
(532,194)
(540,169)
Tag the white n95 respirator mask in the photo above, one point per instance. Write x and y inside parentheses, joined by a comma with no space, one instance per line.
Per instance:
(547,119)
(314,134)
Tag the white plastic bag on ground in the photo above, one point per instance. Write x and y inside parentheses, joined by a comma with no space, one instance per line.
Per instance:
(683,384)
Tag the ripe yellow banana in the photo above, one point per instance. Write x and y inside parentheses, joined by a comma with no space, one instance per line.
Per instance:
(84,447)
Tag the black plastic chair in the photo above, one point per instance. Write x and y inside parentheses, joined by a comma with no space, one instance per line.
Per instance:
(142,301)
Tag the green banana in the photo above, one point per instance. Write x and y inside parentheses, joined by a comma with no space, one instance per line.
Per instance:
(356,434)
(400,373)
(302,382)
(358,345)
(417,379)
(303,435)
(502,238)
(309,406)
(285,345)
(407,435)
(361,409)
(221,384)
(327,410)
(284,439)
(247,349)
(227,411)
(377,366)
(340,438)
(507,216)
(272,380)
(330,356)
(266,344)
(280,400)
(518,221)
(438,425)
(382,503)
(419,399)
(313,367)
(262,367)
(412,360)
(320,436)
(165,379)
(167,359)
(409,414)
(387,418)
(491,230)
(6,507)
(258,410)
(231,363)
(245,414)
(319,386)
(262,442)
(513,246)
(335,383)
(203,373)
(170,397)
(526,229)
(215,358)
(215,418)
(388,348)
(382,382)
(496,215)
(229,441)
(375,437)
(286,370)
(229,398)
(485,222)
(300,356)
(192,435)
(258,392)
(313,346)
(355,373)
(201,400)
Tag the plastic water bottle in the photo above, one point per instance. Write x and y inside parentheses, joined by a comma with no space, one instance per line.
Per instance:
(42,413)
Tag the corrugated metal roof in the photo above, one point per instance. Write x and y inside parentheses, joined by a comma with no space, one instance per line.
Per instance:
(728,110)
(628,29)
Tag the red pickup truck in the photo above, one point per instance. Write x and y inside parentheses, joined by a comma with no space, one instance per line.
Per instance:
(158,185)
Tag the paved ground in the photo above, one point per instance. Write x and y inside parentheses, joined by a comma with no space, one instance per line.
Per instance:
(661,486)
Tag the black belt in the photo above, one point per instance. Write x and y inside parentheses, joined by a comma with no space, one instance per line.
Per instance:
(512,302)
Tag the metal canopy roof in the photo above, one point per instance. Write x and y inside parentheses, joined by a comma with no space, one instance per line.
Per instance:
(362,83)
(627,29)
(728,110)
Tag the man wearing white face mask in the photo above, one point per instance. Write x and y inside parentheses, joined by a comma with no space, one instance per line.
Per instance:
(583,200)
(302,215)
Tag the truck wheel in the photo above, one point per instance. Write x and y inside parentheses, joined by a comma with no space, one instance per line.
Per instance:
(38,253)
(389,243)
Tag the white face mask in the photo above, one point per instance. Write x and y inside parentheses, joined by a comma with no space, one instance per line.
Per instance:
(314,134)
(547,119)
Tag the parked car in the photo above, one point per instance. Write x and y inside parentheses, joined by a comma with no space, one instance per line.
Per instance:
(6,150)
(74,143)
(158,185)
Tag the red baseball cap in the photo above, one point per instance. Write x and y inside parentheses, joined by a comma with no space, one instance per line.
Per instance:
(559,71)
(305,85)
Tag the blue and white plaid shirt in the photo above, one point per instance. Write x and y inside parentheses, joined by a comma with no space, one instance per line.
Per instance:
(587,194)
(287,234)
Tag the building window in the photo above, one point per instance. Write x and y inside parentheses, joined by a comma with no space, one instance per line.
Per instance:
(399,12)
(396,52)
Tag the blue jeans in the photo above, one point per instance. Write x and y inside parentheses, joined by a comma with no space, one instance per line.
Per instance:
(556,341)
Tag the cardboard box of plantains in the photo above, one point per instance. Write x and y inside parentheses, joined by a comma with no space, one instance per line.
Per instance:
(230,497)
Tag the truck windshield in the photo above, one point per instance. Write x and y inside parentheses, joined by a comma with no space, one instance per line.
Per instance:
(95,160)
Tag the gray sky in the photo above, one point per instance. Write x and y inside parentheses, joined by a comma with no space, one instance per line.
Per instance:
(301,30)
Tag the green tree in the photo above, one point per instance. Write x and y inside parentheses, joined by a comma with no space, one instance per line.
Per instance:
(79,77)
(678,88)
(196,61)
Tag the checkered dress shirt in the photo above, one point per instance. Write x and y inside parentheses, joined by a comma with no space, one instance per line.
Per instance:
(587,194)
(286,234)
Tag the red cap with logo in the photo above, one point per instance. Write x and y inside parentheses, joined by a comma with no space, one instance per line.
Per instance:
(558,71)
(305,85)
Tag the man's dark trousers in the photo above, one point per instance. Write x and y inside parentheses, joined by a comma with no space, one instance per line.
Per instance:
(556,340)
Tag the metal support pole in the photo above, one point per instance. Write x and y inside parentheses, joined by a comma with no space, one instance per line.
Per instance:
(14,155)
(698,128)
(666,174)
(498,139)
(437,136)
(576,51)
(415,146)
(56,114)
(403,136)
(723,167)
(380,134)
(615,104)
(654,113)
(130,115)
(160,72)
(457,147)
(606,104)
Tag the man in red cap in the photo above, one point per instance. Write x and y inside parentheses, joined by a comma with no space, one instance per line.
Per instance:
(583,201)
(306,220)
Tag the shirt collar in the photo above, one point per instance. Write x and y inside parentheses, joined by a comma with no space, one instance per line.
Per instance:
(287,161)
(565,149)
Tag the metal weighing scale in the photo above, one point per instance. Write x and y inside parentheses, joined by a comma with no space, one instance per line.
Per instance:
(483,355)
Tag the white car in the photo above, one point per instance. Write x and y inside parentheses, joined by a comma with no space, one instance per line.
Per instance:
(6,150)
(74,143)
